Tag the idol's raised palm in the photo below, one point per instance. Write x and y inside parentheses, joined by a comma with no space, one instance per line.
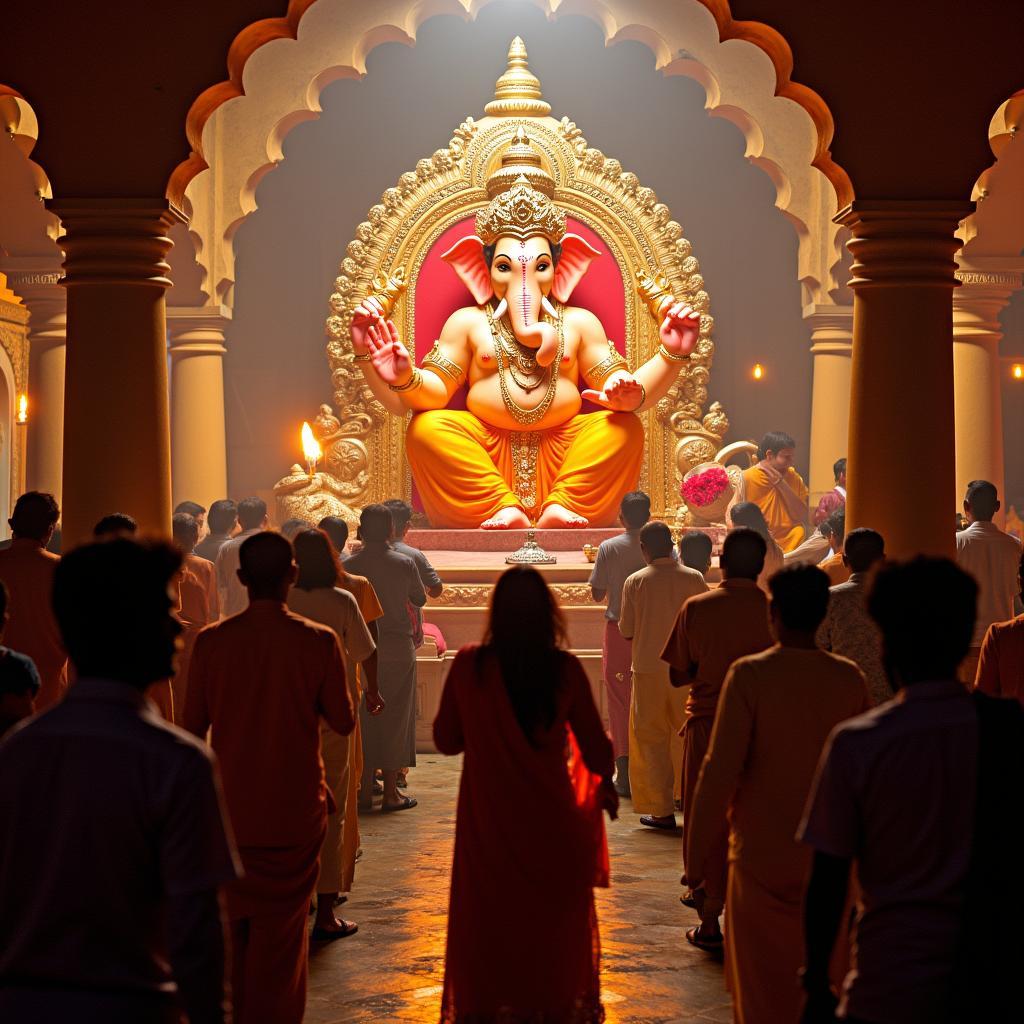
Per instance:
(680,329)
(389,356)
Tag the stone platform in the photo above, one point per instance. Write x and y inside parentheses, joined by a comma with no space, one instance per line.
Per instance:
(507,541)
(469,563)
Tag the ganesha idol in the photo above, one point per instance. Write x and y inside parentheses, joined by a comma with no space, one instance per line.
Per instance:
(522,451)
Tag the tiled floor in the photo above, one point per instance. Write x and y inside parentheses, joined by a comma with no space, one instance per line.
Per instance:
(392,970)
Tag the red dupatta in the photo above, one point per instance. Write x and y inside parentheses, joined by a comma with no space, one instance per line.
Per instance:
(587,789)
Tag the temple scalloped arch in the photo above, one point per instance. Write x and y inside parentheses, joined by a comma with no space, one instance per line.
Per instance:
(744,68)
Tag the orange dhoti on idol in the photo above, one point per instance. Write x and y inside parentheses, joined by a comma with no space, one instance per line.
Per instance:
(467,471)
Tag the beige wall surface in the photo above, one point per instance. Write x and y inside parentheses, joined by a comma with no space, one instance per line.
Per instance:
(373,130)
(1012,350)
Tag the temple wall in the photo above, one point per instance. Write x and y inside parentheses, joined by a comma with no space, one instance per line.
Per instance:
(288,250)
(1012,351)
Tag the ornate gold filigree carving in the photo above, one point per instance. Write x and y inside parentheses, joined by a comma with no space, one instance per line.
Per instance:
(473,595)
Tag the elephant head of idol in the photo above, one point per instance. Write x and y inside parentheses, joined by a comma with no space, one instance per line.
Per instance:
(521,255)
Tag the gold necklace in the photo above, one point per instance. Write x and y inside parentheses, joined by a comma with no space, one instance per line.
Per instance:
(516,411)
(520,358)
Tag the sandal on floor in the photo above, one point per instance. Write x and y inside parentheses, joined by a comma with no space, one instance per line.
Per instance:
(405,804)
(688,899)
(329,934)
(712,945)
(666,824)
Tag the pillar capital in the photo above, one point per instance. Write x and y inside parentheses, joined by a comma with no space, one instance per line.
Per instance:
(831,328)
(37,279)
(899,243)
(115,241)
(197,330)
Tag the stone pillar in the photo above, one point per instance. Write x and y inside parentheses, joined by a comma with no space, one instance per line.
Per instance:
(198,446)
(831,347)
(117,454)
(977,373)
(37,281)
(901,445)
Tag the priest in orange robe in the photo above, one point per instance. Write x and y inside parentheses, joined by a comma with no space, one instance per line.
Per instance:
(260,682)
(27,568)
(778,490)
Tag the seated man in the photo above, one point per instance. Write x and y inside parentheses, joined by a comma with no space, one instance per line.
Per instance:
(778,490)
(836,498)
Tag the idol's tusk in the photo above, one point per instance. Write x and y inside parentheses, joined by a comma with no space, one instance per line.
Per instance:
(545,303)
(500,309)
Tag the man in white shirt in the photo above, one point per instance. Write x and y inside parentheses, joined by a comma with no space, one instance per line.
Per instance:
(232,595)
(992,558)
(651,599)
(617,558)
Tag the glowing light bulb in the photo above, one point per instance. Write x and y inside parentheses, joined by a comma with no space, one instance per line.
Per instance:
(1018,371)
(758,372)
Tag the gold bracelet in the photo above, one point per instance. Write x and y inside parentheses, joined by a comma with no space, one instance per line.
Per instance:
(361,357)
(672,357)
(413,382)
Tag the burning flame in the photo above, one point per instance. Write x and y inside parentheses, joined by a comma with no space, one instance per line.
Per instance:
(758,371)
(23,409)
(1018,371)
(311,449)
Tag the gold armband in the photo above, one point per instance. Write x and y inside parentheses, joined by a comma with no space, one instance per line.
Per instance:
(672,357)
(411,384)
(612,362)
(441,364)
(361,357)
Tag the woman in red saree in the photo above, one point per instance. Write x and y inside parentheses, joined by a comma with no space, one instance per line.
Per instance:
(530,846)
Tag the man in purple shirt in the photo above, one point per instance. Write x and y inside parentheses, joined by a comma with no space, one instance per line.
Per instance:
(920,793)
(113,840)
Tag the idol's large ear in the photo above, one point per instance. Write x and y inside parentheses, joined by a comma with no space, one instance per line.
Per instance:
(466,258)
(577,255)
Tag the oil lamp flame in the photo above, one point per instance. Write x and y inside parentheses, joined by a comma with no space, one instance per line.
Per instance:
(23,409)
(311,449)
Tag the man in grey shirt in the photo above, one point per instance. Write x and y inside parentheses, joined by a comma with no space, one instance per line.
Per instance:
(389,739)
(401,516)
(252,517)
(617,558)
(222,520)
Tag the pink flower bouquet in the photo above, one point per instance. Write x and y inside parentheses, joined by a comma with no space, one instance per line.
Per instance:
(707,491)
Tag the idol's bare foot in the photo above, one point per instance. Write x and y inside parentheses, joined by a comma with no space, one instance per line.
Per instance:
(509,518)
(556,517)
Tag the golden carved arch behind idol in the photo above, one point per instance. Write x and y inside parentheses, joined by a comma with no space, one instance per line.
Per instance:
(655,261)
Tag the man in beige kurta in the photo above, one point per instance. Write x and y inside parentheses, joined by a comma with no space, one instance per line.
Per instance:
(712,631)
(651,599)
(776,710)
(337,608)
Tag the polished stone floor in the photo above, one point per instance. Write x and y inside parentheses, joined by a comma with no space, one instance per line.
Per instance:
(392,969)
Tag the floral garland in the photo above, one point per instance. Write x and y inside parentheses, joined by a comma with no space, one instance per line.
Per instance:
(701,490)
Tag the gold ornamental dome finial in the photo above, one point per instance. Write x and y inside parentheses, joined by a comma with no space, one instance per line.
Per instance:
(520,159)
(517,92)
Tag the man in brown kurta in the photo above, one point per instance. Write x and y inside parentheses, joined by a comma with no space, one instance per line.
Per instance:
(27,568)
(712,630)
(776,710)
(260,681)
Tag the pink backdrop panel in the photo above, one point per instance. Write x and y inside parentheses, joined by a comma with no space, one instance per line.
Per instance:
(439,293)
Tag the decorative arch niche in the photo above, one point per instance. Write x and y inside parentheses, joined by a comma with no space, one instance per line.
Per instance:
(278,69)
